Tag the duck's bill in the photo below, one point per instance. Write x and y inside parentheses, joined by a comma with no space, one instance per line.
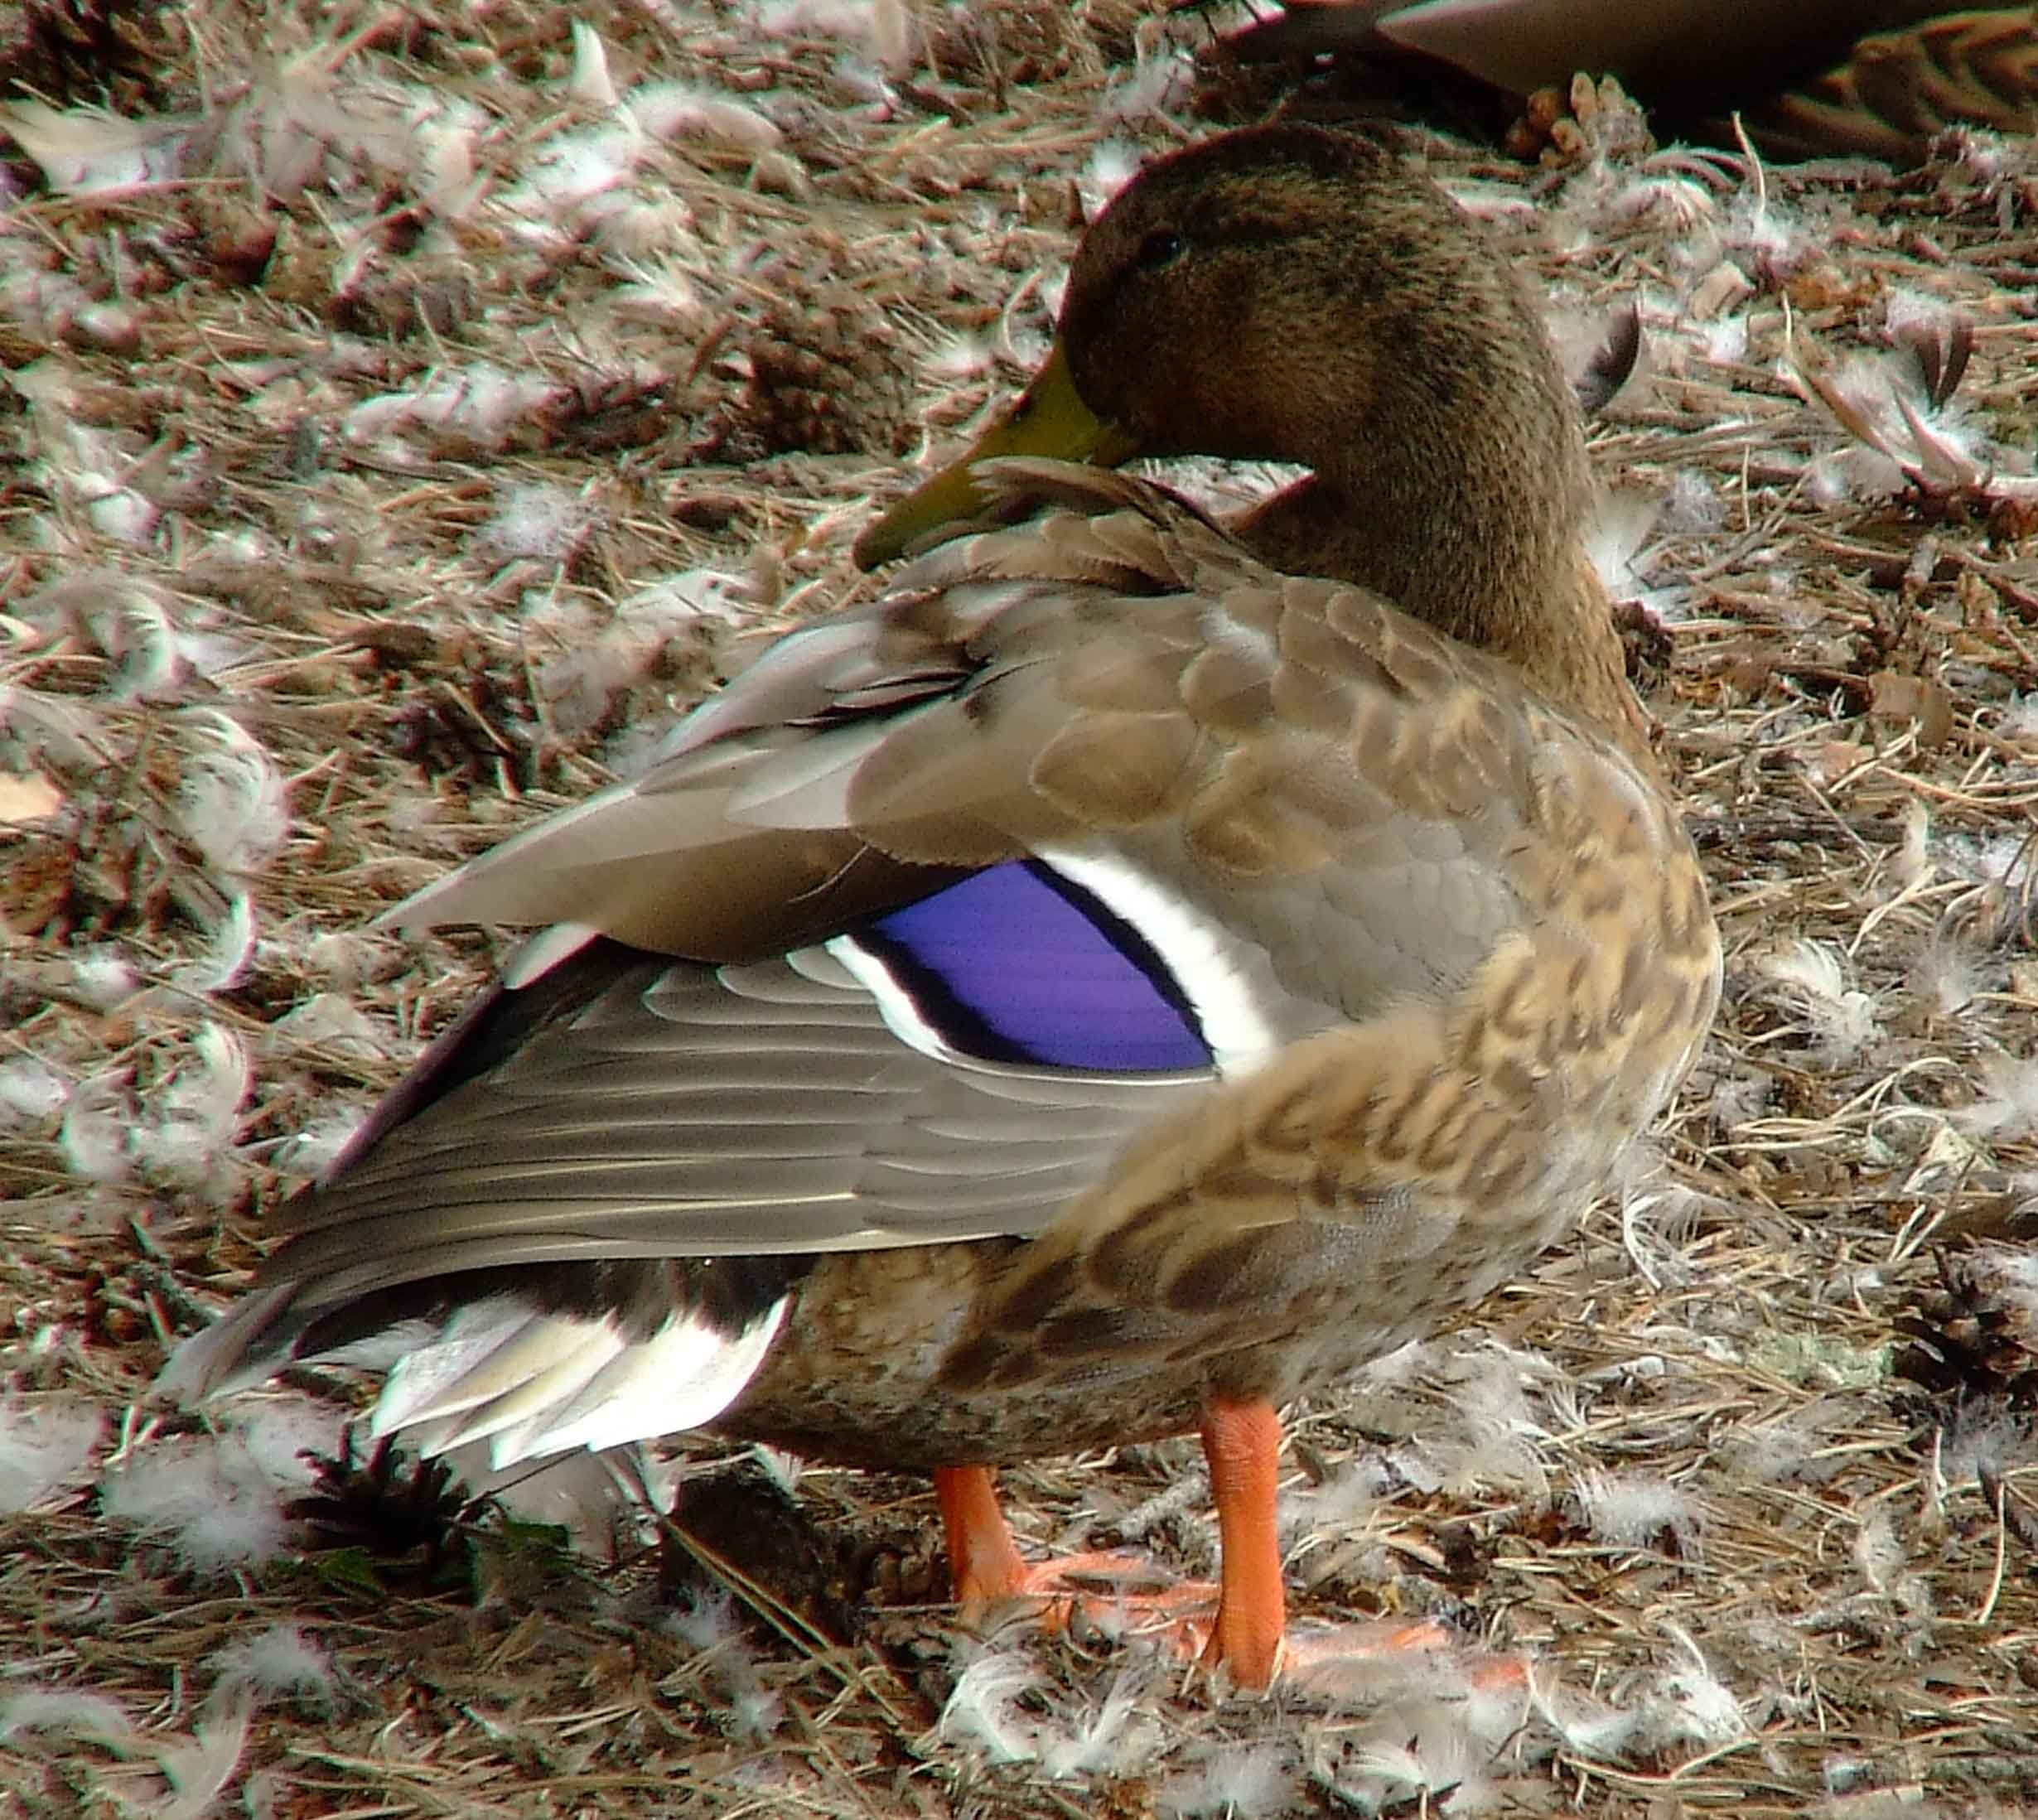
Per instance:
(1048,419)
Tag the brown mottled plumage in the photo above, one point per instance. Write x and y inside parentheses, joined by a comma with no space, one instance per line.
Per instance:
(1812,79)
(1404,871)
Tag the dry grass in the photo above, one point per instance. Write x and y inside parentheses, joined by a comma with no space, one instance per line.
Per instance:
(416,495)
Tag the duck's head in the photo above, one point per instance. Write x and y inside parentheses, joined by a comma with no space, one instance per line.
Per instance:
(1287,294)
(1296,294)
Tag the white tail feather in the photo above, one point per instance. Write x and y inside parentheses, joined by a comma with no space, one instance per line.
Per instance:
(545,1361)
(528,1403)
(686,1375)
(538,1384)
(423,1379)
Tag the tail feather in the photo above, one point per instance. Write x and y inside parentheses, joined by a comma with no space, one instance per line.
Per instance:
(528,1381)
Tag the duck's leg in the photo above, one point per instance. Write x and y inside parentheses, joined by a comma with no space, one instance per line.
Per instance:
(983,1561)
(986,1565)
(1242,1443)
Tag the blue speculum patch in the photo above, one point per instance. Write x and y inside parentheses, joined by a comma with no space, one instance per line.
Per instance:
(1017,964)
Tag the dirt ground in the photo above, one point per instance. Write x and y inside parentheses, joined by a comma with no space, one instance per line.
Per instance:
(407,409)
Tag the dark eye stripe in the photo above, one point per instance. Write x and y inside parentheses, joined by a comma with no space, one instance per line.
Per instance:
(1017,964)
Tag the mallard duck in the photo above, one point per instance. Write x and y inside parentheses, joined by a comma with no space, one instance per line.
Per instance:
(1131,974)
(1870,78)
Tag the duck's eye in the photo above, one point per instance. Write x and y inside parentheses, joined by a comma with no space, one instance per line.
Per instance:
(1160,248)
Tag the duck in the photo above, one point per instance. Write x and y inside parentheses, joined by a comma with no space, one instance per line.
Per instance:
(1129,974)
(1879,78)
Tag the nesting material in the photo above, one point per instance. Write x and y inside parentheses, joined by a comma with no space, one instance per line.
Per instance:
(408,412)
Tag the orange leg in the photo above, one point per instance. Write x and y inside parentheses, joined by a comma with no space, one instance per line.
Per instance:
(984,1559)
(986,1565)
(1241,1442)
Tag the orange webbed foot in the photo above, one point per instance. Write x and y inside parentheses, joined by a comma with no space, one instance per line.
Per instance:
(1237,1627)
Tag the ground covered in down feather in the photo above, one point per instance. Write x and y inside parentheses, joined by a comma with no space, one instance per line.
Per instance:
(408,408)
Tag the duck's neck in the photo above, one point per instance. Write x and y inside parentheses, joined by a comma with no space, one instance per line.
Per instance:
(1496,560)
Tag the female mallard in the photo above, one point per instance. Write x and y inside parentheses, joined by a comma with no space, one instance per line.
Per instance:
(1105,988)
(1877,79)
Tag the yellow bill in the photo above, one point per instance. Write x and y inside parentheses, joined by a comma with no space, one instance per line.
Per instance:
(1048,419)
